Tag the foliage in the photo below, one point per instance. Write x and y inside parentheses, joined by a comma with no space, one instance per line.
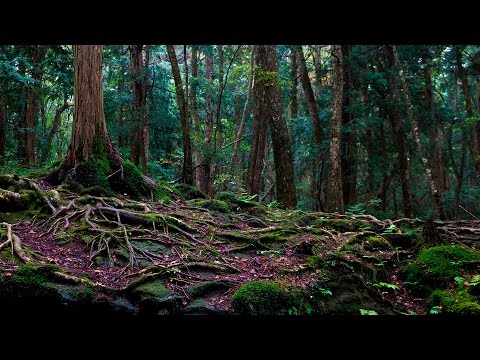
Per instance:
(367,312)
(458,302)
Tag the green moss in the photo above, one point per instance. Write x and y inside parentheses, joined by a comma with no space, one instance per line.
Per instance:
(340,225)
(237,236)
(273,236)
(162,195)
(206,287)
(235,201)
(154,288)
(377,242)
(188,192)
(435,266)
(459,302)
(133,183)
(265,298)
(213,205)
(316,262)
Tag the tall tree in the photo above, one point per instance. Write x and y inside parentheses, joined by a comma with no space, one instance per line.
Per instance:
(195,121)
(416,135)
(398,129)
(293,104)
(316,125)
(206,164)
(139,151)
(182,102)
(270,101)
(3,113)
(335,194)
(349,172)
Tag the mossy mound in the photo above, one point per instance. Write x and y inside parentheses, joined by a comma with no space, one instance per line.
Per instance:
(188,192)
(265,298)
(377,242)
(459,302)
(150,289)
(133,183)
(341,225)
(206,287)
(212,205)
(235,201)
(436,266)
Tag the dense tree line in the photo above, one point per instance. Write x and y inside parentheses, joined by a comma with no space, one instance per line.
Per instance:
(384,129)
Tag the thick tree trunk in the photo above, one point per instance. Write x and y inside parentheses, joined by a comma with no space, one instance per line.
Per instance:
(398,128)
(281,144)
(416,135)
(139,152)
(3,116)
(206,164)
(318,70)
(187,173)
(121,89)
(234,164)
(293,104)
(89,134)
(349,171)
(316,126)
(335,194)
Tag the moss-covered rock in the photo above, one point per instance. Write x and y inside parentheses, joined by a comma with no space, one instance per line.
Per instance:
(154,289)
(265,298)
(213,205)
(235,201)
(206,287)
(188,192)
(340,225)
(459,302)
(377,242)
(436,266)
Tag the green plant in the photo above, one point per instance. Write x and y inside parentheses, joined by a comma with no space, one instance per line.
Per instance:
(367,312)
(385,285)
(324,291)
(435,310)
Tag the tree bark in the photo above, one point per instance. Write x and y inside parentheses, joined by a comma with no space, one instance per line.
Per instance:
(3,115)
(335,195)
(474,128)
(205,169)
(270,98)
(318,70)
(416,135)
(187,173)
(349,172)
(54,129)
(398,129)
(293,104)
(194,111)
(316,126)
(89,133)
(236,147)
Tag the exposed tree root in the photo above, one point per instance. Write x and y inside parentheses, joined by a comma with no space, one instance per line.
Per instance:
(16,243)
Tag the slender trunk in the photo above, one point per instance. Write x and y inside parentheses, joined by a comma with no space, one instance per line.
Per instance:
(3,115)
(293,105)
(54,129)
(236,147)
(474,128)
(146,125)
(316,126)
(205,169)
(187,174)
(416,135)
(318,70)
(398,129)
(218,125)
(268,97)
(349,172)
(335,194)
(121,89)
(394,200)
(195,121)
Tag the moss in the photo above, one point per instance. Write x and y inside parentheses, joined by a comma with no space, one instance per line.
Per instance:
(435,266)
(265,298)
(237,236)
(90,177)
(235,201)
(154,288)
(133,183)
(377,242)
(162,195)
(188,192)
(316,262)
(213,205)
(459,302)
(206,287)
(274,236)
(340,225)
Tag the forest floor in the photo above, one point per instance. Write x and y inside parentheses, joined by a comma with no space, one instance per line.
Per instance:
(192,256)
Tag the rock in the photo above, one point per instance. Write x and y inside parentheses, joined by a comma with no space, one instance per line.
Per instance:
(200,307)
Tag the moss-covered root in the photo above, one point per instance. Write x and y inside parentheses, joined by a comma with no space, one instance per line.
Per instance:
(17,244)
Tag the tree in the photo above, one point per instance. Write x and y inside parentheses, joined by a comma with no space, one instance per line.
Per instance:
(182,103)
(3,113)
(335,194)
(268,103)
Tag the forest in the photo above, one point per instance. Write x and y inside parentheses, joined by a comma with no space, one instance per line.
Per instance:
(150,180)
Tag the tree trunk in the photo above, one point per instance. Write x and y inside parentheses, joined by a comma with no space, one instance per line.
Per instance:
(349,172)
(37,55)
(293,104)
(318,70)
(54,129)
(398,128)
(89,134)
(121,89)
(416,135)
(3,115)
(205,169)
(335,194)
(139,84)
(234,164)
(266,59)
(316,126)
(187,173)
(194,111)
(474,128)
